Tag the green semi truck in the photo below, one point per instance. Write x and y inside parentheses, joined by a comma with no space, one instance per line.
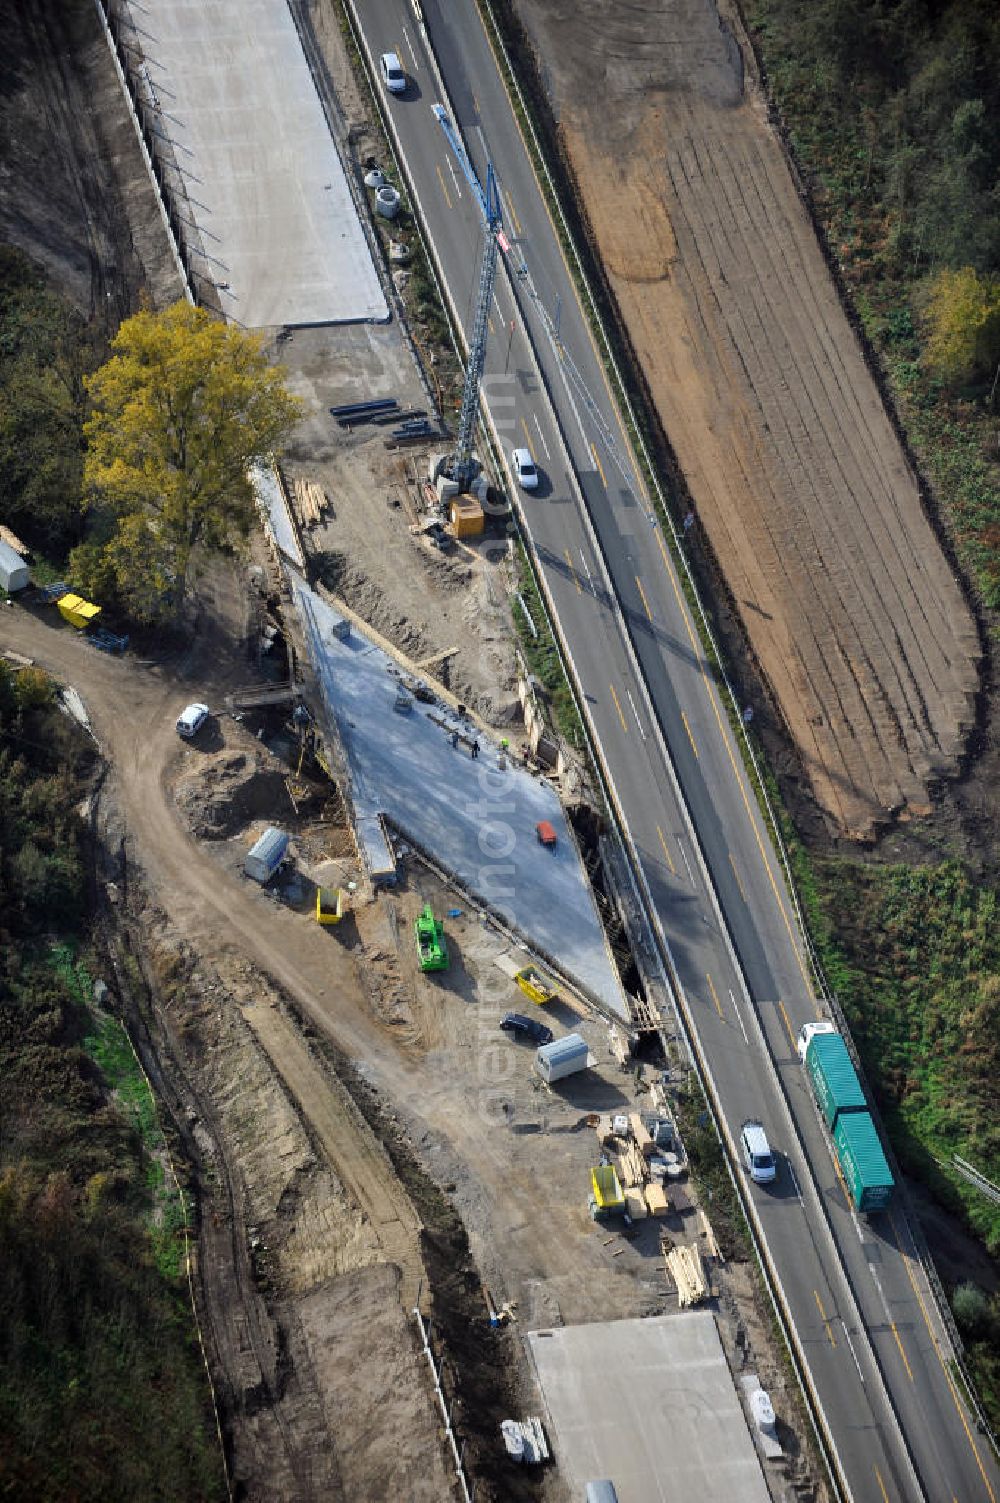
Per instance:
(844,1109)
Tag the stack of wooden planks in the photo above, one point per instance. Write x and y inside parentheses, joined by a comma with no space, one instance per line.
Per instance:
(687,1271)
(310,502)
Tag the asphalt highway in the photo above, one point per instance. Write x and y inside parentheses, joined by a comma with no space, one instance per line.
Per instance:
(869,1336)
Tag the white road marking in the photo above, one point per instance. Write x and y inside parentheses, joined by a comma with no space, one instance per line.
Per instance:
(635,712)
(795,1183)
(854,1354)
(541,436)
(409,45)
(454,175)
(586,570)
(680,847)
(739,1018)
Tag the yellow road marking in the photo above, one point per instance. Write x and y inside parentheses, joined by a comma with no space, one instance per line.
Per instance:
(642,593)
(736,874)
(881,1485)
(475,101)
(527,438)
(736,772)
(489,322)
(787,1023)
(901,1352)
(618,707)
(666,853)
(690,737)
(715,998)
(822,1316)
(944,1366)
(573,574)
(513,213)
(444,189)
(600,467)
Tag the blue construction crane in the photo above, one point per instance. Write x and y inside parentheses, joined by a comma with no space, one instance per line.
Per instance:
(461,464)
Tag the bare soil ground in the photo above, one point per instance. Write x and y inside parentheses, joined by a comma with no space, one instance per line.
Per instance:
(856,622)
(76,196)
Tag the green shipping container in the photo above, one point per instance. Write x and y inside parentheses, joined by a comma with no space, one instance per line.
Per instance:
(868,1176)
(834,1077)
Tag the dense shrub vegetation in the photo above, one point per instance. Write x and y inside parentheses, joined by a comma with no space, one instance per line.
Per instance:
(102,1391)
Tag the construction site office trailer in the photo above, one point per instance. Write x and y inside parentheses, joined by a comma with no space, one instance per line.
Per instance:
(14,574)
(563,1057)
(264,858)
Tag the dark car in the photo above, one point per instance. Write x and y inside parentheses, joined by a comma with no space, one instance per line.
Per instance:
(516,1022)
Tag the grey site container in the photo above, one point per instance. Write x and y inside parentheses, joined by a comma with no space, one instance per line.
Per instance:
(264,858)
(562,1057)
(14,573)
(601,1492)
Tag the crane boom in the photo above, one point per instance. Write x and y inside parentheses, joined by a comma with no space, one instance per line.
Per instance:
(488,200)
(489,204)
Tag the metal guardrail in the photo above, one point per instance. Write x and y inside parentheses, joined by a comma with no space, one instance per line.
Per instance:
(979,1181)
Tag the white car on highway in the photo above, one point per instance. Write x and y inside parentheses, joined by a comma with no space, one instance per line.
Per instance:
(392,73)
(524,469)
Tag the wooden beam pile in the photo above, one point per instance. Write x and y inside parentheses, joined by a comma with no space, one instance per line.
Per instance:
(685,1268)
(310,502)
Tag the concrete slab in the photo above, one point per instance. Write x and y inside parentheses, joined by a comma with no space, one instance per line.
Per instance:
(271,501)
(476,821)
(651,1405)
(280,235)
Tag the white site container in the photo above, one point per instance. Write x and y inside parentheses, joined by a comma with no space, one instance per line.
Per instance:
(264,858)
(14,574)
(563,1057)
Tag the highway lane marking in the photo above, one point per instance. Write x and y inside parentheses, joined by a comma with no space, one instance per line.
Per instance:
(739,884)
(458,186)
(541,436)
(739,779)
(489,322)
(496,304)
(642,596)
(513,212)
(680,847)
(475,101)
(618,707)
(822,1316)
(666,853)
(527,437)
(795,1185)
(899,1343)
(586,570)
(573,574)
(444,190)
(715,997)
(940,1356)
(878,1478)
(635,712)
(600,467)
(739,1017)
(854,1354)
(787,1024)
(694,747)
(409,48)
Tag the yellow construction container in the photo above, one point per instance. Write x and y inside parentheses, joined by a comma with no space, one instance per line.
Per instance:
(607,1189)
(467,519)
(77,611)
(331,904)
(536,985)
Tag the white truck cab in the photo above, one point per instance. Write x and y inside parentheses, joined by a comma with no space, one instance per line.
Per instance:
(806,1034)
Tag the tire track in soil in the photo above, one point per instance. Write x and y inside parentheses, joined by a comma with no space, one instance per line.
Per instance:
(805,494)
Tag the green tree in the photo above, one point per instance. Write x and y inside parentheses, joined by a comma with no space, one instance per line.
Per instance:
(182,408)
(963,319)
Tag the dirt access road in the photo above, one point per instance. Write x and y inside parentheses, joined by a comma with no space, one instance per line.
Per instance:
(814,515)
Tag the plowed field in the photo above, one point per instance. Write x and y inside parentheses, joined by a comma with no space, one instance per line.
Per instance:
(797,477)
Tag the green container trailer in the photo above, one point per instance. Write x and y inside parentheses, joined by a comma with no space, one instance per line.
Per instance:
(833,1077)
(859,1150)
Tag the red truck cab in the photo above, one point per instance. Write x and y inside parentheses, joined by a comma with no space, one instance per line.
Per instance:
(546,834)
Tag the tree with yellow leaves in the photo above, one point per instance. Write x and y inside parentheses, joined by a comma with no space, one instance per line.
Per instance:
(963,320)
(180,411)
